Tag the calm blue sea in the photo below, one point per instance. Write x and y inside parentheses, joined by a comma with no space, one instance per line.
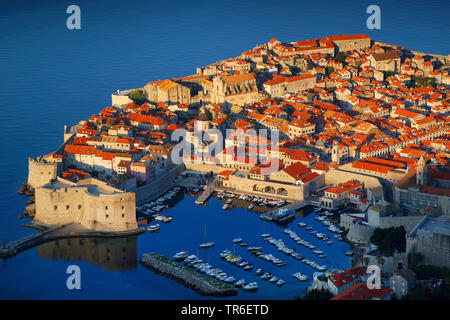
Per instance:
(51,76)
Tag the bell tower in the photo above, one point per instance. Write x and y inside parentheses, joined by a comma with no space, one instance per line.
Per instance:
(421,171)
(336,153)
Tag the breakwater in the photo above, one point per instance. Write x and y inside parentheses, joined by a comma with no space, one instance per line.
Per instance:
(203,284)
(67,230)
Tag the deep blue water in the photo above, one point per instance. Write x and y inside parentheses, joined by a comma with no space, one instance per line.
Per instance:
(51,76)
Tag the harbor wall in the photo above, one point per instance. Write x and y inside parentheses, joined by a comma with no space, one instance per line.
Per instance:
(159,186)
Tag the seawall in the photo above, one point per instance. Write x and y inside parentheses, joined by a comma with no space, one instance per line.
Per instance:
(204,285)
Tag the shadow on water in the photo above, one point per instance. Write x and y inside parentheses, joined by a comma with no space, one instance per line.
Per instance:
(111,254)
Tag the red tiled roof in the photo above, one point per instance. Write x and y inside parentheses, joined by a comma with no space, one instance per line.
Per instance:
(360,291)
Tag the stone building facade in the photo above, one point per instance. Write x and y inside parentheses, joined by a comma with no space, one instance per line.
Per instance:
(236,90)
(431,239)
(89,202)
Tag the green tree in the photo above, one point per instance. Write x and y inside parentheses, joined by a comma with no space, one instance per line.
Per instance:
(310,65)
(329,70)
(389,240)
(137,96)
(340,57)
(316,294)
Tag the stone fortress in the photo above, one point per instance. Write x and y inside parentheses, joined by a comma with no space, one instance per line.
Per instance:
(89,202)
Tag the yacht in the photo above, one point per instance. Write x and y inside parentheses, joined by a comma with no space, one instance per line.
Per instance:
(280,282)
(301,224)
(266,276)
(308,228)
(237,240)
(330,242)
(248,267)
(244,244)
(229,201)
(300,277)
(242,264)
(241,283)
(180,256)
(225,206)
(251,286)
(207,244)
(265,235)
(349,253)
(250,207)
(153,227)
(273,279)
(230,279)
(259,272)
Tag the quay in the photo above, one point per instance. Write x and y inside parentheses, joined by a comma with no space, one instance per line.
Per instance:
(272,215)
(57,232)
(203,284)
(205,194)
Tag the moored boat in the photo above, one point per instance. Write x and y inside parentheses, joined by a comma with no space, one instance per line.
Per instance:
(153,228)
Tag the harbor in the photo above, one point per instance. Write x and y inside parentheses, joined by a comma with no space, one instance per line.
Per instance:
(186,232)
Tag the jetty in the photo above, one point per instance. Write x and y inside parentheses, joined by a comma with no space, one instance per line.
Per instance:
(272,215)
(47,233)
(203,284)
(205,194)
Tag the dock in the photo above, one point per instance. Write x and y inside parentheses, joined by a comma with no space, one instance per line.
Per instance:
(205,194)
(57,232)
(271,215)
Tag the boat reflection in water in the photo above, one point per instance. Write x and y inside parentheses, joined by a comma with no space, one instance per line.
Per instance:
(112,254)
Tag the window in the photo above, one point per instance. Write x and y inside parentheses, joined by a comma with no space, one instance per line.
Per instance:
(55,207)
(67,207)
(106,207)
(79,206)
(106,216)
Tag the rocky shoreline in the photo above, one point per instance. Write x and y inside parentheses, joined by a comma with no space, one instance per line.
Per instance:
(30,210)
(204,285)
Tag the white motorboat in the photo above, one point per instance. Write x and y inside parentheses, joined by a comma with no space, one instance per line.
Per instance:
(207,244)
(180,256)
(251,286)
(266,276)
(259,272)
(280,282)
(241,283)
(153,227)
